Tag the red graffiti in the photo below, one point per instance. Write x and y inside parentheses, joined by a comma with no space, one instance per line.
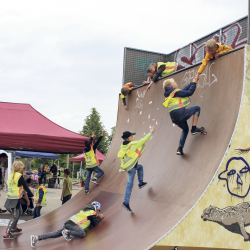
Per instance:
(230,36)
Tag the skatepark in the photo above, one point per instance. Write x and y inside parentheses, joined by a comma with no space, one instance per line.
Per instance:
(191,201)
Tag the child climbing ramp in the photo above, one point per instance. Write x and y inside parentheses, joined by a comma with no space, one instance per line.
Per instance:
(129,154)
(125,91)
(92,161)
(176,101)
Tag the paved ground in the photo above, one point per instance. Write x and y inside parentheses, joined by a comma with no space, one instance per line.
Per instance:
(53,202)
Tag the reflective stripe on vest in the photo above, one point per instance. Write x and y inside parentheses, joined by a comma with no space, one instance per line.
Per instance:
(14,192)
(126,85)
(91,159)
(44,201)
(172,103)
(81,219)
(170,67)
(180,105)
(126,159)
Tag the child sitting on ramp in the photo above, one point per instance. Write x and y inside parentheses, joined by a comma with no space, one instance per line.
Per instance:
(129,153)
(176,100)
(75,225)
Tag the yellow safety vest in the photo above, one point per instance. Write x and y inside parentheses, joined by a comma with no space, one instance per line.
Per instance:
(127,85)
(128,160)
(14,192)
(172,103)
(170,67)
(91,159)
(81,219)
(44,202)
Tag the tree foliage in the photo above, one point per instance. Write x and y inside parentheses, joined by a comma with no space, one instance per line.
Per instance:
(93,123)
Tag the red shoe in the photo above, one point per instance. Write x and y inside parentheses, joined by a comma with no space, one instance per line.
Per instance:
(16,231)
(9,237)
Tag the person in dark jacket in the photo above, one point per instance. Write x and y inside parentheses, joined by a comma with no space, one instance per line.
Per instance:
(76,225)
(92,161)
(15,184)
(53,170)
(176,100)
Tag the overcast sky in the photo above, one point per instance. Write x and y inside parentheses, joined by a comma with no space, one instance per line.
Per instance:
(65,57)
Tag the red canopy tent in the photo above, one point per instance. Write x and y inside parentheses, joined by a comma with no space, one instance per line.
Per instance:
(24,128)
(81,157)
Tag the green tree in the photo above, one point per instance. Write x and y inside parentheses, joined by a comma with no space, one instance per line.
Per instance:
(93,123)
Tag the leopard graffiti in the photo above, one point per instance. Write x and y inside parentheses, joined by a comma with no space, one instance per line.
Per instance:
(233,218)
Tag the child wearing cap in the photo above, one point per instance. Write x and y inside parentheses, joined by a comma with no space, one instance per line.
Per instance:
(129,154)
(125,91)
(92,161)
(161,69)
(75,225)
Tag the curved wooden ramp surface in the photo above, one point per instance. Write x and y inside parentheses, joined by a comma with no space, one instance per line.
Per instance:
(175,183)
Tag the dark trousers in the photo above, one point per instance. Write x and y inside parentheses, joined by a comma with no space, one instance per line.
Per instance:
(40,180)
(16,213)
(69,225)
(37,212)
(66,198)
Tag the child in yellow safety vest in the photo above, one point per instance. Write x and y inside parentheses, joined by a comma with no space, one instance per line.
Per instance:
(214,49)
(75,225)
(124,92)
(129,154)
(42,202)
(15,184)
(161,69)
(92,161)
(175,101)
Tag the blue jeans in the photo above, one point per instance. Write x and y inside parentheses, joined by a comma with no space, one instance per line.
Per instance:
(99,172)
(182,122)
(130,182)
(37,212)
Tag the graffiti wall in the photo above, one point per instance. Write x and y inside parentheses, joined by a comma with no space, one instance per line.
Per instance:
(137,61)
(229,36)
(222,217)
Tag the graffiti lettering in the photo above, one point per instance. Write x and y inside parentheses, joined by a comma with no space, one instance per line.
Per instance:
(144,64)
(230,36)
(206,78)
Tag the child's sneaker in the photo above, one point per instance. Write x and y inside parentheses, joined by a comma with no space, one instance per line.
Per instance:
(66,235)
(126,206)
(179,151)
(95,181)
(86,191)
(33,240)
(142,185)
(196,131)
(16,231)
(9,237)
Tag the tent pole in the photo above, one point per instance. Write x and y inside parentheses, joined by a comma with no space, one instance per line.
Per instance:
(73,170)
(67,160)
